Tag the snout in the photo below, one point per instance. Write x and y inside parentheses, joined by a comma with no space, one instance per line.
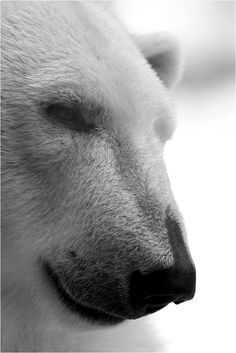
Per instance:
(129,285)
(155,290)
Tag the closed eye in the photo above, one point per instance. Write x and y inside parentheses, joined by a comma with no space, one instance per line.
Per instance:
(70,116)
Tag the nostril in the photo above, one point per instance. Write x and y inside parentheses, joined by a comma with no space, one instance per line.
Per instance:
(161,287)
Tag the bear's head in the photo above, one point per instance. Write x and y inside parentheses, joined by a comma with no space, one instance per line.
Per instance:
(90,226)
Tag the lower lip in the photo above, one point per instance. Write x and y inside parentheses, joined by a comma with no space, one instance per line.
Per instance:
(88,313)
(72,305)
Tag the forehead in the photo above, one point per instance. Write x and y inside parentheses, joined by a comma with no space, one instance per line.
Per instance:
(121,73)
(78,48)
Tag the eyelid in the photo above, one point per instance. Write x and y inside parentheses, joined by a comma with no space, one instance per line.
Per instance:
(71,116)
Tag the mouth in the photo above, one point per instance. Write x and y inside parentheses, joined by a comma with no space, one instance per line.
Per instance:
(74,306)
(86,312)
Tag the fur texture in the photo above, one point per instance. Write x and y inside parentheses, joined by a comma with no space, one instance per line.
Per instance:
(84,186)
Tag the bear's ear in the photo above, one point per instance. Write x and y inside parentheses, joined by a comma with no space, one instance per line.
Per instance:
(162,51)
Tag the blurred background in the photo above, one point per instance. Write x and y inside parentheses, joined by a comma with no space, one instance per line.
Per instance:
(201,164)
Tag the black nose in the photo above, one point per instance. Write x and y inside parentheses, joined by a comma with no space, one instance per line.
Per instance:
(163,286)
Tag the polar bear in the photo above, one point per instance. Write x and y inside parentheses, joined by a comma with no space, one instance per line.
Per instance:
(91,233)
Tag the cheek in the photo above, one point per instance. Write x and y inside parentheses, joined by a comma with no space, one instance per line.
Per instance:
(47,139)
(39,149)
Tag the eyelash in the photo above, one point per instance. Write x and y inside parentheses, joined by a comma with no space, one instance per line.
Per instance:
(71,117)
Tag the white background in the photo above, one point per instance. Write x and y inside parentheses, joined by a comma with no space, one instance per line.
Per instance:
(201,161)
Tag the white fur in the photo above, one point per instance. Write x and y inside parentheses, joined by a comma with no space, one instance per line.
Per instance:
(67,49)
